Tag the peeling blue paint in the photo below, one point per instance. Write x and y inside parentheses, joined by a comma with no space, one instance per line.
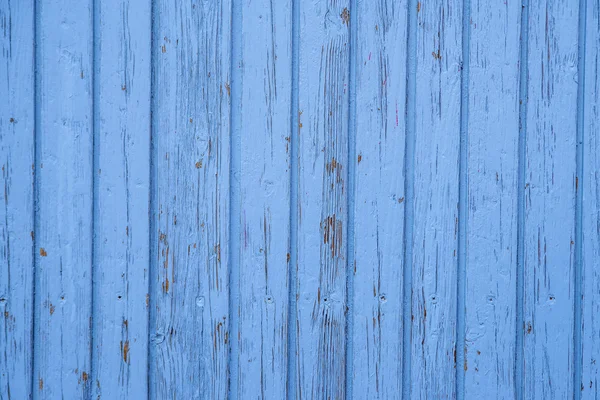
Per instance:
(299,199)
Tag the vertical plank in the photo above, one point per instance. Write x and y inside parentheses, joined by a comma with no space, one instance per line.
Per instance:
(493,133)
(380,59)
(322,198)
(16,197)
(190,204)
(439,57)
(550,199)
(591,207)
(122,147)
(265,198)
(64,224)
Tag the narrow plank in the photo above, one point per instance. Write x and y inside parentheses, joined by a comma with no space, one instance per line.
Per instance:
(493,133)
(380,59)
(322,198)
(550,200)
(63,232)
(122,147)
(16,211)
(190,204)
(590,378)
(439,55)
(265,198)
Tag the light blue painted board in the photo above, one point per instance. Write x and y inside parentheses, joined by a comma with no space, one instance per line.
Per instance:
(190,200)
(322,198)
(590,187)
(436,168)
(550,199)
(265,146)
(122,178)
(17,111)
(493,140)
(63,232)
(380,59)
(132,167)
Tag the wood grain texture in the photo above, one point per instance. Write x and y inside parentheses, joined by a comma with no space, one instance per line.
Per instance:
(307,199)
(190,203)
(380,59)
(550,199)
(322,198)
(17,149)
(63,232)
(439,54)
(264,177)
(590,378)
(122,150)
(493,133)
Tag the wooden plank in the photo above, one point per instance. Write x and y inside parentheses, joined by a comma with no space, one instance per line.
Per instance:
(17,148)
(122,147)
(63,232)
(322,198)
(493,150)
(380,59)
(439,55)
(590,186)
(550,199)
(190,204)
(265,113)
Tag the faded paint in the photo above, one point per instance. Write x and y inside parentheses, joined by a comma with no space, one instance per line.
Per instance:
(299,199)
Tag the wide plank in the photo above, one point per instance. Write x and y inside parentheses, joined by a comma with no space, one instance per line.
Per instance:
(122,180)
(550,184)
(17,149)
(264,179)
(63,231)
(493,150)
(436,189)
(189,326)
(322,199)
(379,198)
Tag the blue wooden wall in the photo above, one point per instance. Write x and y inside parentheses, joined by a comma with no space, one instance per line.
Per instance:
(304,199)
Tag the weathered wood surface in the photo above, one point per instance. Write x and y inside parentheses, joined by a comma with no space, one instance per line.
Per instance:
(17,152)
(299,199)
(493,160)
(64,199)
(589,80)
(122,179)
(379,199)
(189,326)
(324,46)
(550,184)
(436,187)
(264,180)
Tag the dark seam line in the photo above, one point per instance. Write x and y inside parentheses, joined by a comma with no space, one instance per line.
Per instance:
(349,356)
(151,209)
(36,223)
(463,190)
(579,182)
(234,195)
(409,178)
(293,237)
(520,284)
(95,156)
